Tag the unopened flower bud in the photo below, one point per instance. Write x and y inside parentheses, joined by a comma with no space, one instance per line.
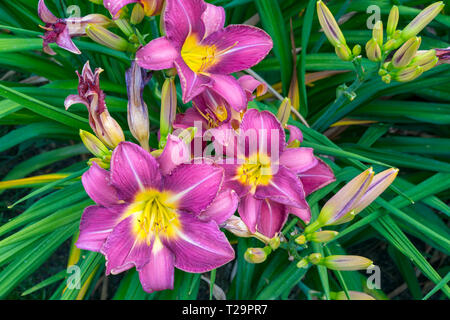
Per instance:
(112,132)
(373,50)
(343,52)
(237,227)
(356,51)
(284,111)
(345,263)
(93,144)
(425,59)
(302,263)
(408,74)
(322,236)
(422,20)
(406,52)
(125,27)
(138,122)
(102,163)
(107,38)
(257,255)
(315,258)
(274,243)
(354,295)
(392,21)
(168,107)
(138,14)
(329,25)
(377,33)
(301,239)
(391,44)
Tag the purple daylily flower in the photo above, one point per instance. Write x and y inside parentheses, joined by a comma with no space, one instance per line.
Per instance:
(203,51)
(151,7)
(61,31)
(157,215)
(90,94)
(266,175)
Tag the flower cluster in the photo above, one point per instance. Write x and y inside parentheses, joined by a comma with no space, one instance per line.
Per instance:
(164,207)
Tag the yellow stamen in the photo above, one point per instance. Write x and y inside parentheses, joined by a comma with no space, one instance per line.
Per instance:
(255,171)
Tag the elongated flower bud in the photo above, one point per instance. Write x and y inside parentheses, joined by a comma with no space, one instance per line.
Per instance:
(257,255)
(152,7)
(343,201)
(138,122)
(354,295)
(422,20)
(138,14)
(377,33)
(343,52)
(345,263)
(124,26)
(315,258)
(168,108)
(237,227)
(356,51)
(107,38)
(329,25)
(406,52)
(425,59)
(321,236)
(93,144)
(112,132)
(380,182)
(408,74)
(373,50)
(284,111)
(392,21)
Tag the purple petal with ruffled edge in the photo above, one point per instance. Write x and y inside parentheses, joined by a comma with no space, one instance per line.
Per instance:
(304,214)
(96,225)
(284,187)
(229,89)
(223,207)
(182,18)
(250,84)
(272,218)
(114,6)
(175,153)
(298,159)
(265,127)
(317,177)
(294,134)
(243,47)
(45,14)
(158,273)
(192,84)
(96,182)
(158,54)
(194,186)
(123,249)
(133,169)
(249,211)
(65,41)
(199,246)
(213,18)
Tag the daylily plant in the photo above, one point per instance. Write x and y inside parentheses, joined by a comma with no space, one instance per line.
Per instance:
(150,7)
(61,31)
(203,51)
(156,218)
(266,175)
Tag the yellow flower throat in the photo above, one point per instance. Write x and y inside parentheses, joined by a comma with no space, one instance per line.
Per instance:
(255,171)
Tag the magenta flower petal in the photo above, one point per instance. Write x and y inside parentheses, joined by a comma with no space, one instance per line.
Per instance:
(317,177)
(272,218)
(298,159)
(123,249)
(213,18)
(199,246)
(266,127)
(230,181)
(114,6)
(192,84)
(230,90)
(175,152)
(183,18)
(284,187)
(46,14)
(97,185)
(158,273)
(242,47)
(158,54)
(294,134)
(249,211)
(133,169)
(96,224)
(65,41)
(194,186)
(304,214)
(250,84)
(223,207)
(187,119)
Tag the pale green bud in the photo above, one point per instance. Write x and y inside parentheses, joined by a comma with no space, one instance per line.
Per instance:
(422,20)
(408,74)
(321,236)
(406,52)
(392,21)
(329,25)
(425,59)
(356,51)
(373,50)
(168,107)
(138,14)
(377,33)
(107,38)
(93,144)
(284,111)
(274,243)
(256,255)
(343,52)
(345,263)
